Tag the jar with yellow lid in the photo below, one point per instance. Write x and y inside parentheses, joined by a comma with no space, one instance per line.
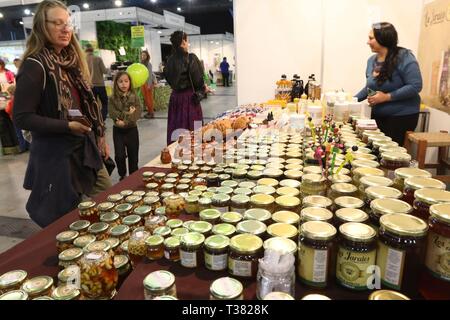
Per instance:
(240,202)
(380,207)
(224,229)
(88,211)
(391,161)
(147,176)
(155,247)
(387,295)
(416,183)
(278,296)
(116,199)
(137,248)
(165,195)
(316,253)
(69,257)
(191,249)
(159,283)
(232,218)
(436,280)
(317,201)
(401,251)
(288,217)
(316,214)
(17,295)
(262,201)
(268,182)
(245,250)
(364,172)
(210,215)
(254,175)
(293,166)
(261,189)
(274,167)
(64,240)
(346,215)
(216,252)
(175,206)
(374,181)
(229,183)
(38,287)
(404,173)
(152,187)
(356,253)
(313,185)
(293,174)
(99,230)
(342,190)
(202,227)
(12,280)
(283,230)
(373,193)
(348,202)
(124,209)
(339,178)
(312,170)
(425,198)
(288,203)
(290,183)
(288,191)
(226,289)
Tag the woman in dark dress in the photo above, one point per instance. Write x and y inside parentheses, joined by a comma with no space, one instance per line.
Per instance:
(184,73)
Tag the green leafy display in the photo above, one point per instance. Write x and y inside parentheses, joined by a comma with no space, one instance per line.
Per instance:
(112,35)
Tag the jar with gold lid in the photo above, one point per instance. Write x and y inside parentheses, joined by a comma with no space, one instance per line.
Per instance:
(342,190)
(288,191)
(404,173)
(213,180)
(281,245)
(416,183)
(261,189)
(134,221)
(172,248)
(143,211)
(245,250)
(18,295)
(115,198)
(363,172)
(290,183)
(240,203)
(312,170)
(12,280)
(64,240)
(346,215)
(98,246)
(225,190)
(262,201)
(288,203)
(254,175)
(254,227)
(175,206)
(316,214)
(224,229)
(210,215)
(69,275)
(111,218)
(313,184)
(283,230)
(380,207)
(123,267)
(271,166)
(159,283)
(69,257)
(339,178)
(38,287)
(88,211)
(288,217)
(221,202)
(317,201)
(401,251)
(216,252)
(316,252)
(147,176)
(348,202)
(373,193)
(229,183)
(239,175)
(191,249)
(274,296)
(152,186)
(80,226)
(192,206)
(356,253)
(268,182)
(436,280)
(391,161)
(114,244)
(165,195)
(387,295)
(202,227)
(226,289)
(293,174)
(425,198)
(83,241)
(121,232)
(99,230)
(155,247)
(124,209)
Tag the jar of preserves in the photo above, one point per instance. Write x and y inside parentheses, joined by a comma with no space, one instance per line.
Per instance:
(425,198)
(121,232)
(114,244)
(69,275)
(374,181)
(293,174)
(226,289)
(165,195)
(229,183)
(126,193)
(213,180)
(261,215)
(133,221)
(245,250)
(339,178)
(342,190)
(364,172)
(391,161)
(38,287)
(373,193)
(204,203)
(289,183)
(65,293)
(380,207)
(159,283)
(153,202)
(155,247)
(283,230)
(105,207)
(401,251)
(356,254)
(64,240)
(316,214)
(123,267)
(254,227)
(172,249)
(99,230)
(69,257)
(163,231)
(288,191)
(224,229)
(111,218)
(18,295)
(124,209)
(179,232)
(288,217)
(313,184)
(416,183)
(348,202)
(97,246)
(232,218)
(159,178)
(116,199)
(346,215)
(80,226)
(143,212)
(137,249)
(88,211)
(147,176)
(387,295)
(216,252)
(83,241)
(262,201)
(202,227)
(316,253)
(317,201)
(240,203)
(12,280)
(288,203)
(404,173)
(225,190)
(221,202)
(271,191)
(191,252)
(175,206)
(268,182)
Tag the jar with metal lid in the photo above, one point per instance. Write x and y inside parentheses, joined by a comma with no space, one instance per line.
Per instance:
(346,215)
(226,289)
(88,211)
(111,218)
(167,187)
(401,251)
(257,214)
(159,283)
(254,227)
(159,178)
(273,296)
(268,182)
(126,193)
(290,183)
(66,293)
(172,249)
(115,198)
(316,214)
(18,295)
(288,191)
(240,203)
(121,232)
(262,201)
(283,230)
(221,202)
(313,184)
(147,176)
(124,209)
(204,203)
(436,280)
(179,232)
(123,267)
(213,180)
(216,252)
(210,215)
(254,175)
(83,241)
(391,161)
(133,221)
(288,203)
(163,231)
(182,188)
(182,169)
(261,189)
(143,212)
(339,178)
(165,195)
(12,280)
(239,175)
(80,226)
(155,247)
(175,206)
(348,202)
(99,230)
(229,183)
(191,252)
(202,227)
(38,287)
(373,193)
(105,207)
(373,181)
(380,207)
(364,172)
(281,245)
(387,295)
(69,257)
(225,190)
(317,201)
(425,198)
(97,246)
(123,249)
(356,253)
(342,190)
(404,173)
(316,253)
(224,177)
(288,217)
(293,174)
(114,244)
(312,170)
(224,229)
(69,275)
(64,240)
(137,248)
(231,217)
(245,250)
(416,183)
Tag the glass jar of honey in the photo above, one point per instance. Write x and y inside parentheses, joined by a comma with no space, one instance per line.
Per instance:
(216,252)
(288,217)
(288,203)
(191,249)
(283,230)
(262,201)
(245,250)
(155,247)
(316,214)
(342,190)
(88,211)
(317,201)
(172,249)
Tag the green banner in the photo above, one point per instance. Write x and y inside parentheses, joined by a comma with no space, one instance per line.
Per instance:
(137,37)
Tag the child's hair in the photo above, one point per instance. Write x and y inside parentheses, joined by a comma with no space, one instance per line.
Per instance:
(117,90)
(11,89)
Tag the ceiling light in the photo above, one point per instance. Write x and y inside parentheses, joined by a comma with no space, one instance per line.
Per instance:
(86,5)
(212,42)
(1,15)
(217,43)
(153,1)
(179,9)
(27,12)
(118,3)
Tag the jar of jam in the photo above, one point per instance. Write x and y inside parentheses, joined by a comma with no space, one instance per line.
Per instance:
(105,207)
(99,230)
(191,249)
(111,218)
(401,251)
(64,240)
(373,181)
(159,283)
(137,248)
(283,230)
(114,244)
(221,202)
(124,209)
(293,174)
(348,202)
(254,227)
(12,280)
(346,215)
(163,231)
(155,247)
(245,250)
(226,289)
(261,215)
(159,178)
(416,183)
(288,217)
(288,191)
(143,212)
(153,222)
(260,189)
(387,295)
(69,257)
(315,265)
(204,203)
(313,184)
(38,287)
(123,267)
(281,245)
(69,275)
(133,221)
(404,173)
(425,198)
(216,252)
(175,206)
(232,218)
(224,229)
(340,178)
(391,161)
(126,193)
(289,183)
(172,249)
(225,190)
(147,176)
(88,211)
(240,203)
(364,172)
(316,214)
(210,215)
(317,201)
(380,207)
(202,227)
(262,201)
(356,254)
(288,203)
(268,182)
(342,190)
(18,295)
(213,180)
(373,193)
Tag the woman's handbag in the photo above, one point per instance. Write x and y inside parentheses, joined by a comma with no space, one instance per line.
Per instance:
(109,165)
(198,95)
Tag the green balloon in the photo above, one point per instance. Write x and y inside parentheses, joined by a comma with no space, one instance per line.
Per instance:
(138,74)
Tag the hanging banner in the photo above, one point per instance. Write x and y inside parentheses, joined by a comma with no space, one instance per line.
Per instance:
(137,37)
(434,55)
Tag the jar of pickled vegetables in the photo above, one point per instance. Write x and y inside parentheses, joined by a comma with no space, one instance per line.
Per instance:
(175,206)
(88,211)
(137,248)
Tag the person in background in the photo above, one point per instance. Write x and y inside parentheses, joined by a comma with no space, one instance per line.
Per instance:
(97,69)
(54,101)
(23,144)
(7,78)
(394,82)
(147,88)
(17,63)
(125,110)
(225,70)
(181,68)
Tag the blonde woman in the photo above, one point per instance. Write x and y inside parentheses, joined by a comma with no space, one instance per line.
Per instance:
(55,102)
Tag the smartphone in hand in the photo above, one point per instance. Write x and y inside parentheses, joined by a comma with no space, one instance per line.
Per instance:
(371,92)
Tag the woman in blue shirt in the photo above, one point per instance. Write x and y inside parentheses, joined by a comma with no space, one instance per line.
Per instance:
(393,84)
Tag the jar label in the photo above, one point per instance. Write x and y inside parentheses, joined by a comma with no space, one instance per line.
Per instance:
(240,268)
(216,262)
(351,268)
(391,263)
(241,211)
(438,256)
(188,259)
(313,265)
